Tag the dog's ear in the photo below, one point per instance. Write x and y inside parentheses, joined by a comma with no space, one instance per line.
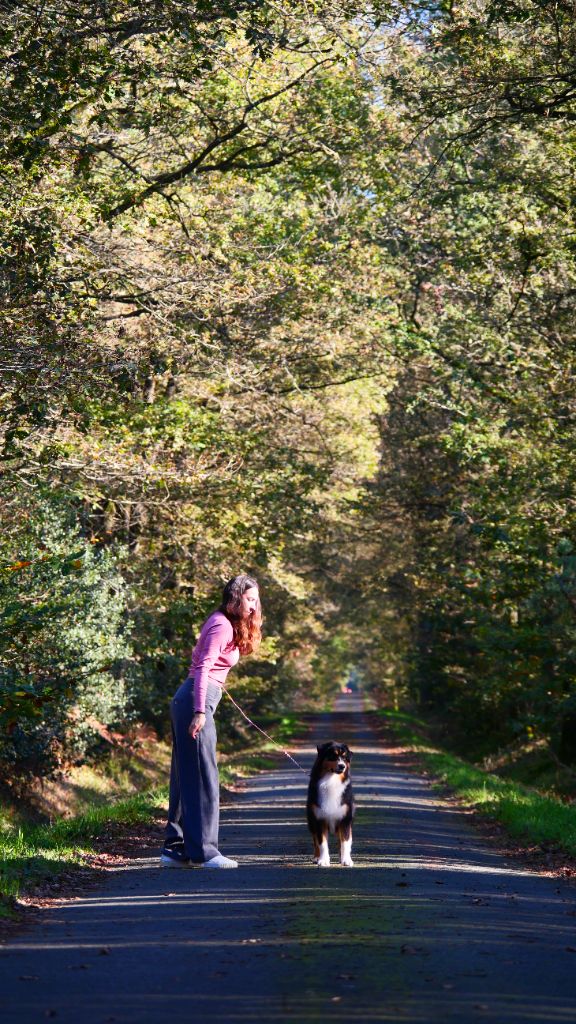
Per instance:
(324,746)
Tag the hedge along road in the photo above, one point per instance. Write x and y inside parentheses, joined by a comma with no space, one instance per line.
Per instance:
(431,924)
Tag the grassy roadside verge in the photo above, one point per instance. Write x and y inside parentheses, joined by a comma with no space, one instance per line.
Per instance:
(31,854)
(528,816)
(247,762)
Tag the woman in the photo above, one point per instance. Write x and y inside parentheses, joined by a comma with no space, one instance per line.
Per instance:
(193,812)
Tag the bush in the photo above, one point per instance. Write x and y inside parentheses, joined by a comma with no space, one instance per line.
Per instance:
(64,643)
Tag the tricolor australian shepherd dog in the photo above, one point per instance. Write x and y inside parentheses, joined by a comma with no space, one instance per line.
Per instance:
(330,804)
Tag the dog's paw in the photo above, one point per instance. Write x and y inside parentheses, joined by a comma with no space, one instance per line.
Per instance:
(347,862)
(323,862)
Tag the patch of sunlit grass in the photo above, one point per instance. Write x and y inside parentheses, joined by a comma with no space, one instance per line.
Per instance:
(31,853)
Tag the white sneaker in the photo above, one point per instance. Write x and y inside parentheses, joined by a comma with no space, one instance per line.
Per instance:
(220,861)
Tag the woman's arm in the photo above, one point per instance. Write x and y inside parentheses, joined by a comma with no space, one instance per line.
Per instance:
(212,642)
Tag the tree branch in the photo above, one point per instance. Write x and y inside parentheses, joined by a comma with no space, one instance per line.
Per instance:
(194,166)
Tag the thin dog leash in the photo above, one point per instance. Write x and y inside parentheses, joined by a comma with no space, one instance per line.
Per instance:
(253,724)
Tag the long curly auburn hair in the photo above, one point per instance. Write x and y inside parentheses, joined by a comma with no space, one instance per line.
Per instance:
(247,634)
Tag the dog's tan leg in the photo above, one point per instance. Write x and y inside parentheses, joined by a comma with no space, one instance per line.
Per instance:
(324,854)
(345,837)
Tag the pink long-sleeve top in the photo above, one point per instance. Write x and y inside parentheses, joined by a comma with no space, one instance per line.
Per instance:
(213,656)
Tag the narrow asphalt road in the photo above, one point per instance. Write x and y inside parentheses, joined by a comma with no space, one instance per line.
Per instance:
(430,925)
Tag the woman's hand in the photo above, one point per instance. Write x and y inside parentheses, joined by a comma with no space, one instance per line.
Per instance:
(197,723)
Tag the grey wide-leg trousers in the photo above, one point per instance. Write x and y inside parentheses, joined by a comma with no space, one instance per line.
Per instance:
(194,805)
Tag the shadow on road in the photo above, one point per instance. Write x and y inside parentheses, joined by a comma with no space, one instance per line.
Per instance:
(431,924)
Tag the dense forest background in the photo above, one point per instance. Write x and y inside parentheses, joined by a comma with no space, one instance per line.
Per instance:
(287,289)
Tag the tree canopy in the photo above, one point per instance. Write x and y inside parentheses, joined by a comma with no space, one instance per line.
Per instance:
(287,289)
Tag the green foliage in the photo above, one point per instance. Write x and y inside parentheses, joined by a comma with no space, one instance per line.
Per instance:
(64,642)
(288,292)
(467,572)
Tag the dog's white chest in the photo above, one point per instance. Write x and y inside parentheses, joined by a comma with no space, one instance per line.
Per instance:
(330,807)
